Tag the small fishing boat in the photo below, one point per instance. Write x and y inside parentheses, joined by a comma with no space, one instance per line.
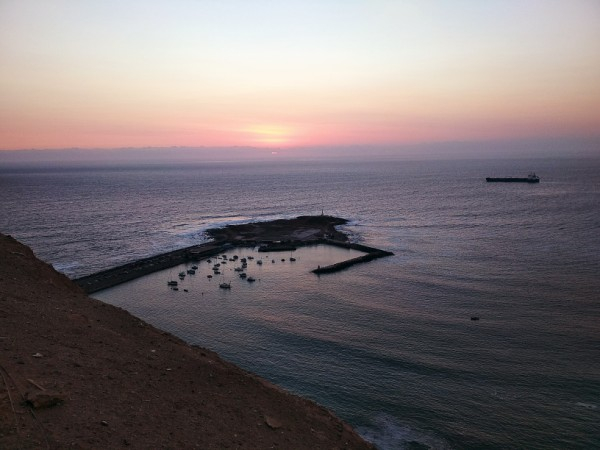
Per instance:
(191,272)
(243,275)
(250,280)
(208,276)
(195,267)
(259,262)
(225,285)
(171,283)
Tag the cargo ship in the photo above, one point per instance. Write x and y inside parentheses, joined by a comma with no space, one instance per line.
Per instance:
(531,178)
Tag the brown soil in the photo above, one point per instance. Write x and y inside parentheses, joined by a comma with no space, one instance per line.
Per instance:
(303,228)
(77,373)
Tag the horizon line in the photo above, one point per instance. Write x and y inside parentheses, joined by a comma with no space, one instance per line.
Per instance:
(399,145)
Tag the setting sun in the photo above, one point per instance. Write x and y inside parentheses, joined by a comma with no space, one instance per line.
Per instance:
(295,74)
(269,135)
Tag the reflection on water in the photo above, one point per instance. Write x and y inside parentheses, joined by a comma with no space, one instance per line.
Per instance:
(387,345)
(201,312)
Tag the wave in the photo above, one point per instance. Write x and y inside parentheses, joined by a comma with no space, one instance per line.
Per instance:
(388,433)
(66,268)
(586,405)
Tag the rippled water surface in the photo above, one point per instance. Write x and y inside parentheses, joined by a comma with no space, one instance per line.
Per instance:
(388,345)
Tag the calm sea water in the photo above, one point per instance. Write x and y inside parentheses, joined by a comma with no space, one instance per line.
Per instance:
(389,345)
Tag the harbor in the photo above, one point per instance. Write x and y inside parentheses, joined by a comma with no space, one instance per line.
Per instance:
(312,230)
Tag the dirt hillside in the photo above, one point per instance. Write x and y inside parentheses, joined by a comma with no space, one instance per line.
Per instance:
(77,373)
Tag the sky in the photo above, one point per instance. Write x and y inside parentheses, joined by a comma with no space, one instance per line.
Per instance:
(292,74)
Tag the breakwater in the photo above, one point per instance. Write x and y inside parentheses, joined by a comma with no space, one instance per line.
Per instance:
(130,271)
(371,254)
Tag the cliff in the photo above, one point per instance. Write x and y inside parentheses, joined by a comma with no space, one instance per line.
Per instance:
(78,373)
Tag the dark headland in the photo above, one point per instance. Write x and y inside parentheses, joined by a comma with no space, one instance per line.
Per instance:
(282,234)
(300,229)
(78,373)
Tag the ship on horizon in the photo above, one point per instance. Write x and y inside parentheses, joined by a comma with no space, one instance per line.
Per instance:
(531,178)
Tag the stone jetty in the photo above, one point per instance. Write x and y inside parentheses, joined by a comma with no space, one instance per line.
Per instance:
(371,254)
(130,271)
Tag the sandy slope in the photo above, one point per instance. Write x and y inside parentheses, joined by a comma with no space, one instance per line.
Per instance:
(99,377)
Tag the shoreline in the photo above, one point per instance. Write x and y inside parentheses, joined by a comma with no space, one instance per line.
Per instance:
(276,235)
(76,372)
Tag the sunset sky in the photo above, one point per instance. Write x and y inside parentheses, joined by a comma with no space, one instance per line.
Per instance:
(277,74)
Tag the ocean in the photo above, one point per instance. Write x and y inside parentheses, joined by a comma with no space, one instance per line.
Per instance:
(388,345)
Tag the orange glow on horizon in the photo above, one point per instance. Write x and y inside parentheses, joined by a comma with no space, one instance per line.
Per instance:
(269,135)
(322,130)
(200,74)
